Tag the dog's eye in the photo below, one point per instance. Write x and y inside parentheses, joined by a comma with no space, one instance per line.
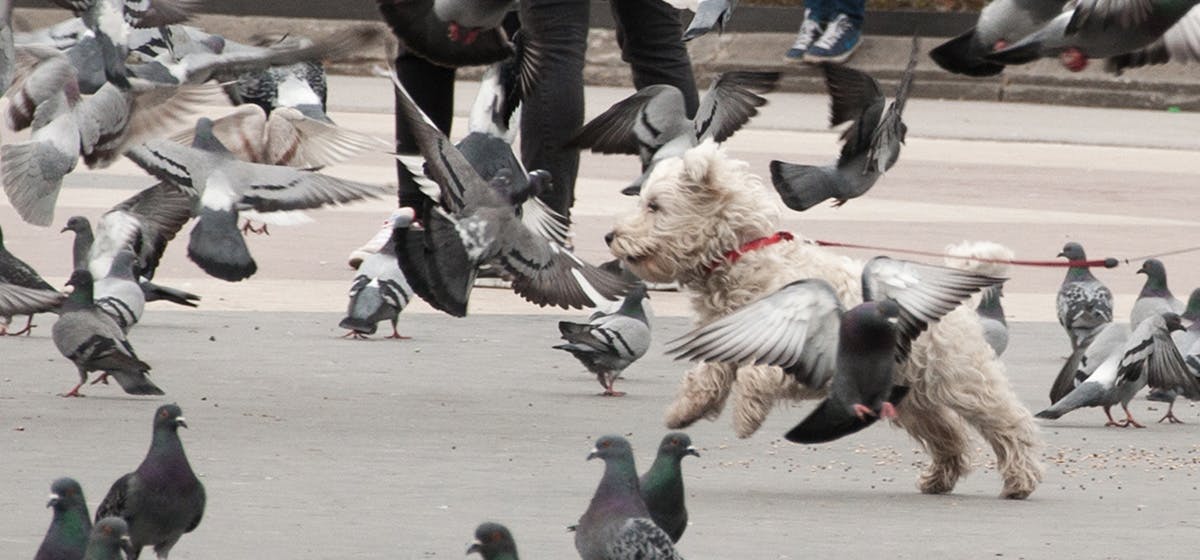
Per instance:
(652,206)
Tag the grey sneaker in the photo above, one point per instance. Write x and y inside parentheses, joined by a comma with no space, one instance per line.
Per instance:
(810,30)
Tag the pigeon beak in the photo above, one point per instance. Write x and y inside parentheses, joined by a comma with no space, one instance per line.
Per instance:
(1062,254)
(181,422)
(691,451)
(1141,270)
(54,498)
(127,544)
(475,547)
(595,453)
(64,229)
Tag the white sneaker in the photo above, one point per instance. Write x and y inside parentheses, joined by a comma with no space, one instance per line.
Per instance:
(377,242)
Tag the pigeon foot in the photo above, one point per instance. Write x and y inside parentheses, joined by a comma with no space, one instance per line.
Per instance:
(73,392)
(888,411)
(611,393)
(862,411)
(28,330)
(102,379)
(397,336)
(1073,59)
(248,228)
(355,335)
(1170,418)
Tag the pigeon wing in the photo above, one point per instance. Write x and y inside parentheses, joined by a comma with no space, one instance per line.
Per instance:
(1181,43)
(545,273)
(887,137)
(615,130)
(270,188)
(1109,14)
(295,140)
(853,97)
(731,102)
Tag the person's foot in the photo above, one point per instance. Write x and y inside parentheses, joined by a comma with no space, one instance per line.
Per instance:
(374,244)
(839,41)
(810,31)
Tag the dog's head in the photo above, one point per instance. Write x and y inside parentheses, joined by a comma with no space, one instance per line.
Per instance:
(691,211)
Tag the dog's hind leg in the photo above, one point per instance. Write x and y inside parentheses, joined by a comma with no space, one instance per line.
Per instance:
(756,390)
(943,434)
(701,395)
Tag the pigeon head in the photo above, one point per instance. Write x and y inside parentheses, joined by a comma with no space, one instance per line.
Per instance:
(1156,278)
(65,493)
(677,444)
(77,224)
(81,286)
(110,534)
(870,325)
(611,447)
(1192,312)
(540,182)
(502,182)
(1173,322)
(169,417)
(1073,252)
(493,541)
(204,139)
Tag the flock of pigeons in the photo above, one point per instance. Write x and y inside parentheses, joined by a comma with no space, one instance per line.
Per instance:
(121,77)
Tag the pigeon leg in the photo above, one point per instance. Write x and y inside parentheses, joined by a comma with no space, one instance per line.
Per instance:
(25,331)
(248,228)
(1170,415)
(396,334)
(472,34)
(862,410)
(74,392)
(102,379)
(887,410)
(1073,59)
(454,31)
(1129,421)
(606,380)
(1111,422)
(355,335)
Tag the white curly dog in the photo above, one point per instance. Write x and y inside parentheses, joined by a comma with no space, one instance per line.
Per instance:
(705,221)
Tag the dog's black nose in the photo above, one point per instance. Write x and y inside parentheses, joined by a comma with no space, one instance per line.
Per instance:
(608,237)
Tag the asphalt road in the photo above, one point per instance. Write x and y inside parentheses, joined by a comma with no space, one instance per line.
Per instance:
(312,446)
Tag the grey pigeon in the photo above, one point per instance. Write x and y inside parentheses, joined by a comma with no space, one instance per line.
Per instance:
(870,146)
(710,14)
(67,537)
(23,291)
(662,485)
(1188,344)
(1000,23)
(379,291)
(118,293)
(654,125)
(1096,29)
(91,339)
(477,224)
(1155,298)
(991,317)
(8,55)
(109,540)
(1180,44)
(1084,303)
(1117,364)
(617,524)
(493,541)
(418,26)
(222,186)
(609,342)
(162,499)
(465,19)
(804,328)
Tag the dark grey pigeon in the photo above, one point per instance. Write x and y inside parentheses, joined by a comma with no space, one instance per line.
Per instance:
(109,540)
(617,524)
(609,342)
(477,224)
(1117,364)
(380,291)
(162,499)
(1155,298)
(654,125)
(870,146)
(991,317)
(804,328)
(493,541)
(662,485)
(1084,303)
(465,19)
(414,255)
(1180,44)
(1001,23)
(67,537)
(418,26)
(222,186)
(91,339)
(23,291)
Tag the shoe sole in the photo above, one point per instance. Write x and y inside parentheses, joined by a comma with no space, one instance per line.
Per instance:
(817,59)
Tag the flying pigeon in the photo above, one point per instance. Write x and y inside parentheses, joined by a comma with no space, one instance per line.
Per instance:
(1096,29)
(109,540)
(162,499)
(617,524)
(477,224)
(1155,297)
(653,122)
(710,14)
(1084,304)
(662,486)
(493,541)
(1000,23)
(91,339)
(1181,44)
(1117,364)
(23,291)
(806,330)
(991,317)
(418,26)
(1188,344)
(380,291)
(870,146)
(466,19)
(67,537)
(609,342)
(223,185)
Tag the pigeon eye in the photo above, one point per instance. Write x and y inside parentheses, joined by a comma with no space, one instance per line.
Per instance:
(495,536)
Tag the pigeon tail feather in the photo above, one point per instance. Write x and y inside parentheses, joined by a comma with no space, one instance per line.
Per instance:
(961,55)
(218,247)
(803,186)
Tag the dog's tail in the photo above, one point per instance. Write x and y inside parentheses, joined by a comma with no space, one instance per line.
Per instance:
(966,255)
(804,186)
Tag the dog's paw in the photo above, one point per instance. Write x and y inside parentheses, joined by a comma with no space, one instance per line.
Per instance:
(938,479)
(1020,486)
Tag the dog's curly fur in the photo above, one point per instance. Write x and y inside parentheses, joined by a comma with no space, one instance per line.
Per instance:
(695,208)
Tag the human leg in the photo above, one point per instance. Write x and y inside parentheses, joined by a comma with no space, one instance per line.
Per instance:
(651,39)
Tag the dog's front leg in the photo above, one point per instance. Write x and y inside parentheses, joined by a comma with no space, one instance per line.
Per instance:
(757,388)
(701,395)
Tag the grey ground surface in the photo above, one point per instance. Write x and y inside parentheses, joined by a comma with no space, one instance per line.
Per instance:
(316,447)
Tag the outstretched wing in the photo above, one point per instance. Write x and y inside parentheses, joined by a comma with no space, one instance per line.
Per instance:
(731,101)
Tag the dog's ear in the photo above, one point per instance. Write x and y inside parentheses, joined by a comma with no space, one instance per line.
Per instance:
(700,165)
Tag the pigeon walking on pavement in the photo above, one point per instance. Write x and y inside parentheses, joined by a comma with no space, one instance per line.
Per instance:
(870,146)
(617,524)
(1117,364)
(493,541)
(109,540)
(379,291)
(1085,304)
(609,342)
(662,485)
(23,292)
(90,338)
(1155,298)
(162,499)
(67,537)
(804,328)
(991,317)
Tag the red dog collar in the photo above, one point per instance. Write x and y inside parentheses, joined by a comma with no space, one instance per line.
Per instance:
(734,255)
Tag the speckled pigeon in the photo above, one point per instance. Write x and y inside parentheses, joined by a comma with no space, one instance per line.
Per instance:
(870,146)
(1084,303)
(109,540)
(804,328)
(91,339)
(379,291)
(162,499)
(617,524)
(493,541)
(67,537)
(1155,298)
(609,342)
(23,291)
(662,486)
